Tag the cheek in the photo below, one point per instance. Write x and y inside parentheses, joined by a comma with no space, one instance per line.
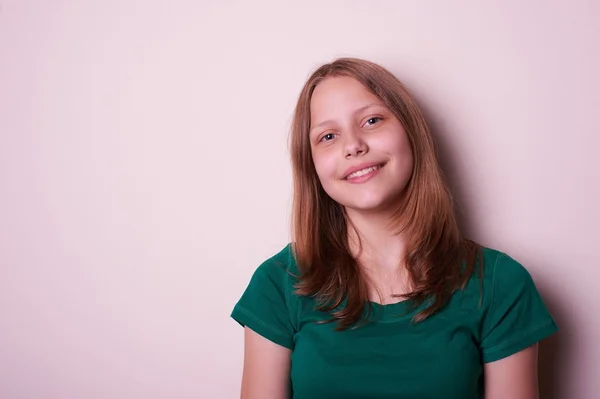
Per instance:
(325,167)
(401,149)
(405,153)
(409,155)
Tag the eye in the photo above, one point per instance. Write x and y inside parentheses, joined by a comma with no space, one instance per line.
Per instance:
(373,120)
(327,137)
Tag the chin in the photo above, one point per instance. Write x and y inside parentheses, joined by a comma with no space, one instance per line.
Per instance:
(369,203)
(367,206)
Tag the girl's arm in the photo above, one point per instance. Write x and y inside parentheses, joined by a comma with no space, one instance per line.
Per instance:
(514,377)
(266,368)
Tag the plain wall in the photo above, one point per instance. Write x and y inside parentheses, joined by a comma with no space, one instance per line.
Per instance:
(144,172)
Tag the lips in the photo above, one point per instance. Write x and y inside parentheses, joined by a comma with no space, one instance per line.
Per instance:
(362,169)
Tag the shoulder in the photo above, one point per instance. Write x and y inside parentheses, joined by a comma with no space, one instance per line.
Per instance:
(500,263)
(274,279)
(280,266)
(513,313)
(495,273)
(502,272)
(267,305)
(497,276)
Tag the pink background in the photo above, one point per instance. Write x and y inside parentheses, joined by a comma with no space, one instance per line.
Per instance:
(144,172)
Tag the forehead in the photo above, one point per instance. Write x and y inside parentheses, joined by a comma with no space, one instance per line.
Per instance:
(339,95)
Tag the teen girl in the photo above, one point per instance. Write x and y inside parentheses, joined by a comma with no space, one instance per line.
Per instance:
(379,294)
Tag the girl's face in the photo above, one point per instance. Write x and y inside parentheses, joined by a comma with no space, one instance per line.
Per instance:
(360,149)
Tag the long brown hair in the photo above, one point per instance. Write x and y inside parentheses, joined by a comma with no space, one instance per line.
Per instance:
(438,258)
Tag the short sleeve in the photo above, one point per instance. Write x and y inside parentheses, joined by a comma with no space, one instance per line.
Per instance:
(516,316)
(264,305)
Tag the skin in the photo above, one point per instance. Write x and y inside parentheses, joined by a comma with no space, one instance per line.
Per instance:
(349,126)
(266,368)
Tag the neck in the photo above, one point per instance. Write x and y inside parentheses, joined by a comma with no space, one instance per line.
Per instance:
(382,250)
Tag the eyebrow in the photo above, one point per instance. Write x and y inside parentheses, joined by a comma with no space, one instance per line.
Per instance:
(357,111)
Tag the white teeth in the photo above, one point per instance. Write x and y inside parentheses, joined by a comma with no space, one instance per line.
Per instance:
(362,172)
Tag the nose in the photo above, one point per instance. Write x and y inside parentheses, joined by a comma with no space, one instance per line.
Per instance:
(354,145)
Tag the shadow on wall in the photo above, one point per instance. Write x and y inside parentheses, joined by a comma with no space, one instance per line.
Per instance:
(552,351)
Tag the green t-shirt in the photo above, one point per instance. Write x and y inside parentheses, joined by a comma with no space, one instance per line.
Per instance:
(390,357)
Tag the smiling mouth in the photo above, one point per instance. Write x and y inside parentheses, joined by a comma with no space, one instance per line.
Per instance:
(364,171)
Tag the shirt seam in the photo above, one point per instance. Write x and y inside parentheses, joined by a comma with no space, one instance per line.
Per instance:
(294,319)
(493,299)
(287,294)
